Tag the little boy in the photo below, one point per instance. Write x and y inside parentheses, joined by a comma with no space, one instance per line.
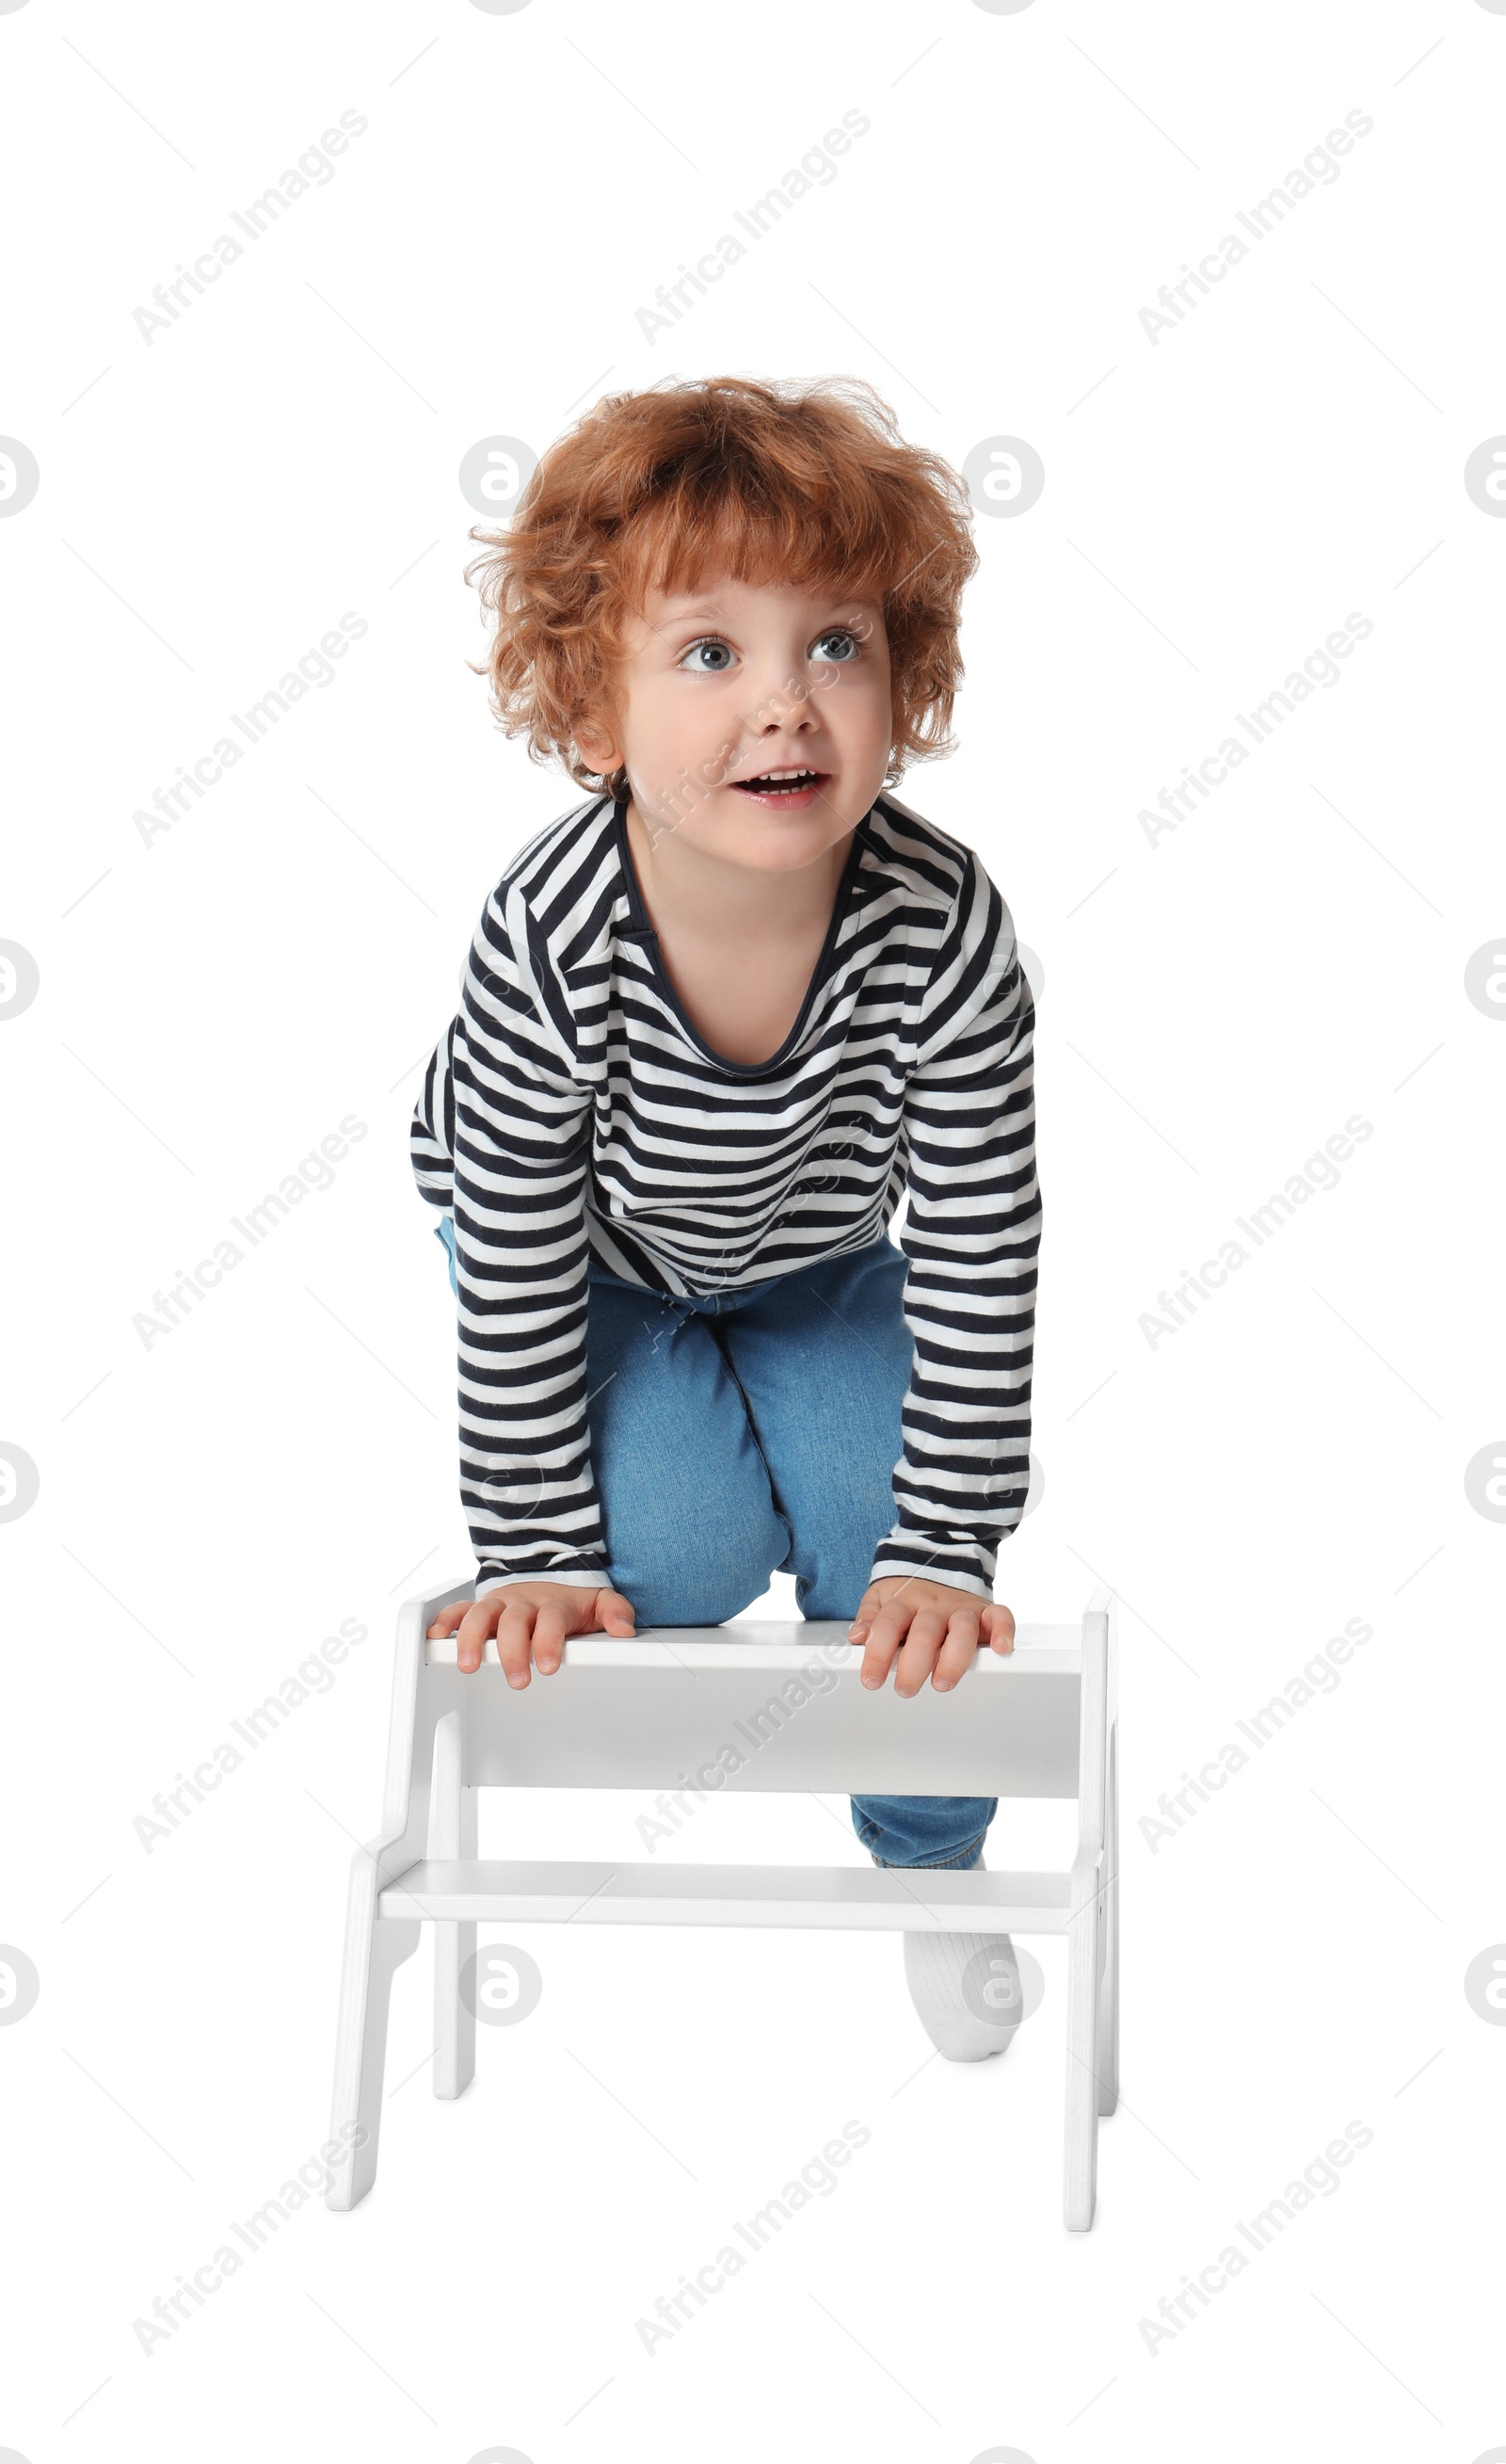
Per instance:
(715,1021)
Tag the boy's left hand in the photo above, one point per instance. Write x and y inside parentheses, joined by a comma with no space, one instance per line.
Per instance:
(934,1628)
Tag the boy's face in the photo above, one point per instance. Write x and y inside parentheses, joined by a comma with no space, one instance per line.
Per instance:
(721,686)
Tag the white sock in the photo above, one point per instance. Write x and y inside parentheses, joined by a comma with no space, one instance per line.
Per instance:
(935,1965)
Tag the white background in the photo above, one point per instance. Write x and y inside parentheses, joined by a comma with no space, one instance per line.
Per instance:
(1213,1007)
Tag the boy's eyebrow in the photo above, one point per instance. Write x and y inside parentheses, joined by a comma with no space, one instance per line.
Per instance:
(680,609)
(683,611)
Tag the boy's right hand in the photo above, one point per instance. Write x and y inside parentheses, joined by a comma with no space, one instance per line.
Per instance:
(531,1616)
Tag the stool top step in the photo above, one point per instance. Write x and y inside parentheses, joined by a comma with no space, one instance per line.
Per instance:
(773,1644)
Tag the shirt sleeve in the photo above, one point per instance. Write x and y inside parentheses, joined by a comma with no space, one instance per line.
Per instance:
(972,1237)
(501,1141)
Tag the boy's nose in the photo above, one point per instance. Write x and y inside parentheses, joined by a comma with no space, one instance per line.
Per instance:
(780,748)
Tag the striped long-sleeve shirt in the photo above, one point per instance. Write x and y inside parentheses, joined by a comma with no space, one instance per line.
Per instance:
(572,1108)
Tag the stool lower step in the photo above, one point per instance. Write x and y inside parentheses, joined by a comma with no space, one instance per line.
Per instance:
(912,1899)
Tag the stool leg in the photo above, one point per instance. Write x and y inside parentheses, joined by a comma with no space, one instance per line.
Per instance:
(1082,2099)
(452,1836)
(375,1949)
(1108,1988)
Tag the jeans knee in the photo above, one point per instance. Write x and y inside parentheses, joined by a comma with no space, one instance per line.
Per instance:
(684,1604)
(709,1591)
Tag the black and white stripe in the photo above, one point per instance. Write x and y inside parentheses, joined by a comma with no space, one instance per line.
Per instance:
(572,1107)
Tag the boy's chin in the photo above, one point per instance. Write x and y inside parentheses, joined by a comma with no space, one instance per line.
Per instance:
(765,841)
(745,830)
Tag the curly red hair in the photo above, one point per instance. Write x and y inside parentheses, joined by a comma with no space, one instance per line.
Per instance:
(661,490)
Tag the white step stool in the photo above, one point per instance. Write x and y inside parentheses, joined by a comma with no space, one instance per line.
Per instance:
(642,1714)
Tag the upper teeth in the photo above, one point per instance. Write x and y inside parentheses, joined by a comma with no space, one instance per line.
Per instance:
(786,774)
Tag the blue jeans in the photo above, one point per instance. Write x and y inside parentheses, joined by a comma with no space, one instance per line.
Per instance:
(756,1431)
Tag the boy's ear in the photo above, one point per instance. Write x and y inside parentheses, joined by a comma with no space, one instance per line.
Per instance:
(596,741)
(597,745)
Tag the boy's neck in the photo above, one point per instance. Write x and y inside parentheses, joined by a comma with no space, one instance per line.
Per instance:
(688,891)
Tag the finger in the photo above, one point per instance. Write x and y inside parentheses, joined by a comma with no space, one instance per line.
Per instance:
(957,1651)
(475,1626)
(918,1654)
(878,1654)
(866,1610)
(445,1620)
(998,1625)
(515,1631)
(615,1614)
(887,1632)
(550,1628)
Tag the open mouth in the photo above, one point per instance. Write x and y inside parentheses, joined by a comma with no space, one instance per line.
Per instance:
(783,786)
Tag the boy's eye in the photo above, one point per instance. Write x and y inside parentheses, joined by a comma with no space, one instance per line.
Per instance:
(846,651)
(718,654)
